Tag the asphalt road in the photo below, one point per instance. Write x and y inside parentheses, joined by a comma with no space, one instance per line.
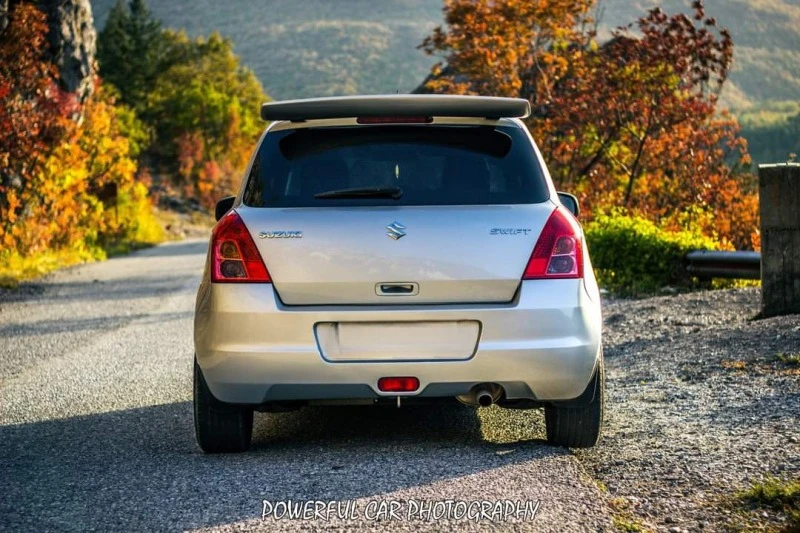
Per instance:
(96,428)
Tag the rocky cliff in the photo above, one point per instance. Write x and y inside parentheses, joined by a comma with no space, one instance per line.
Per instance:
(3,14)
(72,41)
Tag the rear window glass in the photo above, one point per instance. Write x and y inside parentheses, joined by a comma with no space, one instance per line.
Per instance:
(431,165)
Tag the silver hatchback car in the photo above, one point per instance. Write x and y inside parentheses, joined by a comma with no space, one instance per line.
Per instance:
(397,250)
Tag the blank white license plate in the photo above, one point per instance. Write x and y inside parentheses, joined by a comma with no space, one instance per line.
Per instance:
(398,341)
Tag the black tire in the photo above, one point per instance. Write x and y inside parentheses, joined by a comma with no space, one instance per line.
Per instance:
(219,427)
(580,426)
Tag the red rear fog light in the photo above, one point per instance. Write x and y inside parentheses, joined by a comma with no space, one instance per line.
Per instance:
(404,384)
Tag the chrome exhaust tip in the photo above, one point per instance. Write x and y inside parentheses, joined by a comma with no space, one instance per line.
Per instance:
(484,398)
(482,395)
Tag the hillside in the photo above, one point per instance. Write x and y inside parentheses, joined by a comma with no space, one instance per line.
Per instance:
(766,35)
(301,48)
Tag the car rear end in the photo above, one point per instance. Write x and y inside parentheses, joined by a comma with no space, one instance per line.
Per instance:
(398,249)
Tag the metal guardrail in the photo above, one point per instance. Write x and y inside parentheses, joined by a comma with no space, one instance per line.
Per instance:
(707,265)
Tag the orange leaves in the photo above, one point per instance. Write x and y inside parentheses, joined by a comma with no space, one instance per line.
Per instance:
(55,171)
(631,121)
(492,44)
(30,116)
(13,204)
(190,154)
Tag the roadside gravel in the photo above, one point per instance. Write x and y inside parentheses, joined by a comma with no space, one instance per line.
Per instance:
(700,406)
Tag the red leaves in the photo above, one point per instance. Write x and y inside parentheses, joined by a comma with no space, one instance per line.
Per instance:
(53,168)
(30,118)
(632,121)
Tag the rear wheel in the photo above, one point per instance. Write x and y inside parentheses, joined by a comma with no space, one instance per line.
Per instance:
(579,426)
(219,427)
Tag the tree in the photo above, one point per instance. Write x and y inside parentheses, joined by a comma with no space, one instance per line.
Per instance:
(207,91)
(55,172)
(617,122)
(132,51)
(32,115)
(644,87)
(492,47)
(205,110)
(199,106)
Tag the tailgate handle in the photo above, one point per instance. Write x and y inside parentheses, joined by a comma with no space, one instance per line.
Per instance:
(397,289)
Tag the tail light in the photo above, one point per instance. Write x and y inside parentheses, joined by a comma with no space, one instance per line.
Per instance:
(557,254)
(234,256)
(398,384)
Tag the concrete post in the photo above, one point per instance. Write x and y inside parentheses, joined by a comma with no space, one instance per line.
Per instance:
(779,204)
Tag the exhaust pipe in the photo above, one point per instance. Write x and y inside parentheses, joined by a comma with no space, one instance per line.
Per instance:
(482,395)
(484,398)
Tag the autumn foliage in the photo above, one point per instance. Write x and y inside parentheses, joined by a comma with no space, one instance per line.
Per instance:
(198,104)
(629,123)
(58,161)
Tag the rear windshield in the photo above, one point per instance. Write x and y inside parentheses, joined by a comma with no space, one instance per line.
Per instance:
(430,165)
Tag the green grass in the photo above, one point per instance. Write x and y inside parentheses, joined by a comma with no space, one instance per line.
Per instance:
(624,519)
(624,524)
(782,496)
(792,359)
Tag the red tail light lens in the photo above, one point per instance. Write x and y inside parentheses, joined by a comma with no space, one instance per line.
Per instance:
(557,254)
(404,384)
(234,256)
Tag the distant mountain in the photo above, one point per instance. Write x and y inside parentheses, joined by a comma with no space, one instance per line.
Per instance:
(766,38)
(301,48)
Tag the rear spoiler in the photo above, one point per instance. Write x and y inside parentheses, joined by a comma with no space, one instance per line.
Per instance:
(406,105)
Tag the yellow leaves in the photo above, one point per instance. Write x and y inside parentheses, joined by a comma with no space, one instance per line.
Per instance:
(64,170)
(59,213)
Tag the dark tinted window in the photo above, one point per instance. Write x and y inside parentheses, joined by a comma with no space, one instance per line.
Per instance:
(432,165)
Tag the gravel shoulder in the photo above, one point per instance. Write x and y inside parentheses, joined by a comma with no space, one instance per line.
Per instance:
(699,407)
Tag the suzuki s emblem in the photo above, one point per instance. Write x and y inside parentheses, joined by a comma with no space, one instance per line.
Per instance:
(395,230)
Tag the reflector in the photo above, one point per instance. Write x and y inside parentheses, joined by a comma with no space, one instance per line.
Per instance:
(398,384)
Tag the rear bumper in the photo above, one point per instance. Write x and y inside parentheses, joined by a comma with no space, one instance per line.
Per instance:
(252,349)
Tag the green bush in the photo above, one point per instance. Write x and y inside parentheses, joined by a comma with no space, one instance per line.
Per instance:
(632,256)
